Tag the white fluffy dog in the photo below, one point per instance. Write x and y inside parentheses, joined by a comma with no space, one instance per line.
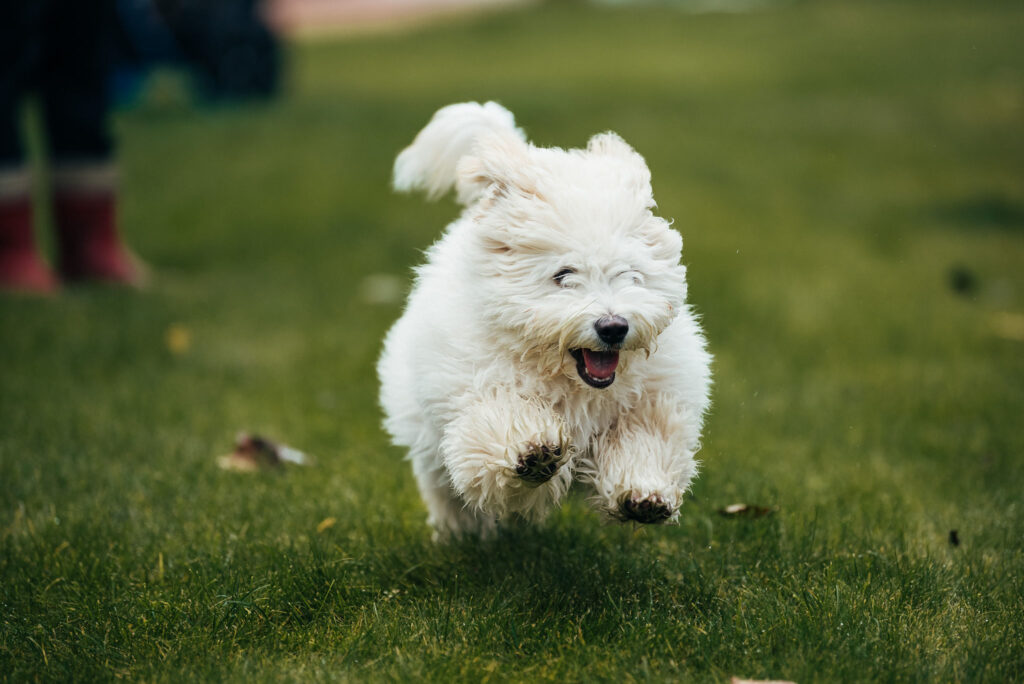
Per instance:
(547,336)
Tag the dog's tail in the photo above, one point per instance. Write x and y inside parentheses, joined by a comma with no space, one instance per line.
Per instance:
(431,161)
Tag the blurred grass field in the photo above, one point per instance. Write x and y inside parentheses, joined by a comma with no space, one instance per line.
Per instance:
(849,182)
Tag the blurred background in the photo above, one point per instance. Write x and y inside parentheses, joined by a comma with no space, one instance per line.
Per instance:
(848,178)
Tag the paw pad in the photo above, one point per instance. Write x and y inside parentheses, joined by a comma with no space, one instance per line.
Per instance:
(539,464)
(648,510)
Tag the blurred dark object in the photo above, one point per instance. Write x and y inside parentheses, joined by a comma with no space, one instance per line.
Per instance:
(954,538)
(226,45)
(962,280)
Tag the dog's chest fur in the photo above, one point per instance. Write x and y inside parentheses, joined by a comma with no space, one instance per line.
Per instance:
(587,413)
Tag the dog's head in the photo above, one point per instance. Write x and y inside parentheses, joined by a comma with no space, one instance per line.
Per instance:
(573,266)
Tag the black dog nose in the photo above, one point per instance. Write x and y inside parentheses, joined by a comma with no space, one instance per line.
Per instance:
(611,329)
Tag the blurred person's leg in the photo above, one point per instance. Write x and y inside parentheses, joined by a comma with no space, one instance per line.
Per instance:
(75,79)
(21,267)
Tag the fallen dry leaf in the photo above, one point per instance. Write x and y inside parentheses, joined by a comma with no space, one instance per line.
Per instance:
(178,339)
(253,452)
(326,524)
(737,680)
(738,510)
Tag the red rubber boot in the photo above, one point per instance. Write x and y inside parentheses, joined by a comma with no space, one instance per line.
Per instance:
(89,246)
(21,267)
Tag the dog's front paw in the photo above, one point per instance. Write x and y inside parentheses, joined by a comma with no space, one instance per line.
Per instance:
(539,463)
(651,509)
(509,454)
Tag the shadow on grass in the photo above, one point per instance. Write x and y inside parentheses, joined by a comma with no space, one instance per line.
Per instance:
(572,565)
(992,211)
(529,591)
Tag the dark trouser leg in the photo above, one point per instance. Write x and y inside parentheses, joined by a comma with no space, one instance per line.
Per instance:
(20,47)
(74,80)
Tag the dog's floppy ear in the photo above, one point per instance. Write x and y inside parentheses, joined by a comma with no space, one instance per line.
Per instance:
(611,145)
(497,165)
(666,244)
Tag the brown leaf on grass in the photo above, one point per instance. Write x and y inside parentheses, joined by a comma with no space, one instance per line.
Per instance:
(178,339)
(738,680)
(253,452)
(742,510)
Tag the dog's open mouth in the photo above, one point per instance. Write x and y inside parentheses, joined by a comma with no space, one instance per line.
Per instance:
(597,368)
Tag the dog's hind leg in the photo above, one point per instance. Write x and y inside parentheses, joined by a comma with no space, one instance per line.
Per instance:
(640,468)
(447,513)
(450,517)
(505,453)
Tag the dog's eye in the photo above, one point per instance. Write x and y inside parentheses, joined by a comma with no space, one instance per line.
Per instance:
(635,276)
(563,274)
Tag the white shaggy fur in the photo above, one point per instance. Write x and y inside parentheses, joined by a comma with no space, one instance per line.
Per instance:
(480,372)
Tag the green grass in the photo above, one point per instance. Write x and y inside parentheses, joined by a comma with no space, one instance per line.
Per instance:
(828,164)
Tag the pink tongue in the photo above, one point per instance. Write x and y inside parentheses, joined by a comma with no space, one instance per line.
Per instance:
(601,365)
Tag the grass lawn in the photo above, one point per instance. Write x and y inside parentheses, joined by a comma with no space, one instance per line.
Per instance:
(849,181)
